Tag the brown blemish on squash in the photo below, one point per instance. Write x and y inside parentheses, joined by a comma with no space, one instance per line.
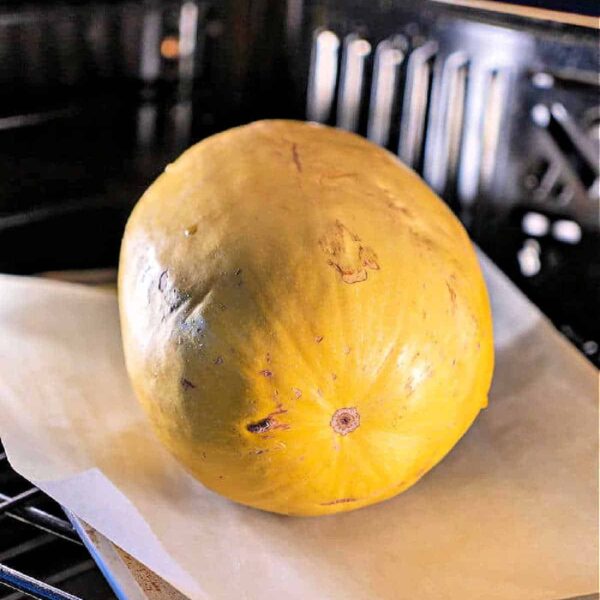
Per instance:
(260,451)
(402,209)
(190,231)
(268,358)
(329,177)
(341,176)
(240,281)
(297,392)
(269,423)
(178,300)
(347,254)
(259,426)
(351,275)
(422,240)
(347,350)
(266,373)
(339,501)
(218,360)
(368,258)
(319,339)
(345,420)
(393,202)
(296,158)
(452,295)
(186,384)
(333,376)
(162,280)
(427,373)
(320,392)
(172,297)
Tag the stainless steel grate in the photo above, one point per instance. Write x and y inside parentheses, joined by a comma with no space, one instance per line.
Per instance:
(469,105)
(41,556)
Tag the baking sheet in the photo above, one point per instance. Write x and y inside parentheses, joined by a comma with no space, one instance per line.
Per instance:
(128,578)
(511,513)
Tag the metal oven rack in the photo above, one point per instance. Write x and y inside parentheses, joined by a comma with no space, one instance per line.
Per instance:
(41,555)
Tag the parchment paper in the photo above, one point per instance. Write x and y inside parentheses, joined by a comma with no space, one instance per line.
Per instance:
(510,514)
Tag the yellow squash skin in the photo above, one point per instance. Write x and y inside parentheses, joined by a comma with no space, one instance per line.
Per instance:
(303,320)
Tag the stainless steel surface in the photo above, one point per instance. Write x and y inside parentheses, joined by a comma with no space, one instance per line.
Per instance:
(479,107)
(41,556)
(24,584)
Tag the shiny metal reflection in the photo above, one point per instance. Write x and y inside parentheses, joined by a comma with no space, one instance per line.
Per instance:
(323,75)
(356,51)
(446,117)
(388,58)
(416,97)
